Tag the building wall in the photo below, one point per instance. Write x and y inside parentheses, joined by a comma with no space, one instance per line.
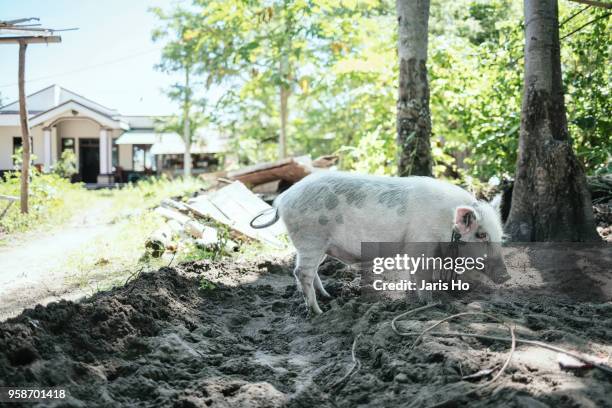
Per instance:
(7,133)
(6,146)
(125,152)
(125,157)
(78,129)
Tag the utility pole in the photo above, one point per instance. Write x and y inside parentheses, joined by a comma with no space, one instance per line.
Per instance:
(37,36)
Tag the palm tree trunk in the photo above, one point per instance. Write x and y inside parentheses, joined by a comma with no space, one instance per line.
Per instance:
(550,199)
(413,116)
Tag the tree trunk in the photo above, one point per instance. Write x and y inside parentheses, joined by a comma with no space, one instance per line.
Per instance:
(413,117)
(25,131)
(550,200)
(284,110)
(187,127)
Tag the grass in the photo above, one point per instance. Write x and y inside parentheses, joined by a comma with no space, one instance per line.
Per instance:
(117,252)
(53,200)
(147,194)
(112,258)
(126,220)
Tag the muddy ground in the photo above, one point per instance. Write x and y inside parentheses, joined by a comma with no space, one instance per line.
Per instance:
(245,340)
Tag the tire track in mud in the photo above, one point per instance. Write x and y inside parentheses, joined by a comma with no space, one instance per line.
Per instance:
(163,341)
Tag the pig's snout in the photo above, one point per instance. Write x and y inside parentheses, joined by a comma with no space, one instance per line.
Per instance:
(496,267)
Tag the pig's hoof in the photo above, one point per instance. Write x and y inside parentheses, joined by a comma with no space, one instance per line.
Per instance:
(325,294)
(315,310)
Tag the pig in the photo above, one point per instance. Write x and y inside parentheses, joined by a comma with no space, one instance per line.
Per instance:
(332,213)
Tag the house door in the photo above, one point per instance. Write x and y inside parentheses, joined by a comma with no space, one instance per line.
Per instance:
(89,160)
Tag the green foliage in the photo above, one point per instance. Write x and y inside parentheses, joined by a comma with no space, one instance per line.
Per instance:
(194,252)
(128,216)
(476,83)
(206,285)
(339,62)
(149,192)
(476,71)
(371,155)
(52,198)
(66,166)
(586,74)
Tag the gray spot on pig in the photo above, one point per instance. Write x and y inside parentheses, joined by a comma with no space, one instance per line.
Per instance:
(331,201)
(313,198)
(323,220)
(339,219)
(403,210)
(395,197)
(355,192)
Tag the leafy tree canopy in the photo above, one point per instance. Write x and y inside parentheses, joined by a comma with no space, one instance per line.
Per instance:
(339,61)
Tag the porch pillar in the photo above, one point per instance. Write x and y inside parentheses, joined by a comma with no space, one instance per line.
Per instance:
(47,149)
(105,176)
(103,155)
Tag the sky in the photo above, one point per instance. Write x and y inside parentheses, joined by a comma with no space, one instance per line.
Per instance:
(109,59)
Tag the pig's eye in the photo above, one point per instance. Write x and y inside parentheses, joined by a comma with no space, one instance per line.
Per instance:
(481,235)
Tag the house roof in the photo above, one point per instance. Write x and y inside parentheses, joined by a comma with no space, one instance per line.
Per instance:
(138,137)
(76,108)
(206,141)
(52,96)
(54,100)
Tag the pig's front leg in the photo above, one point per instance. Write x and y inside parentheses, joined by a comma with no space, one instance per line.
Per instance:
(429,250)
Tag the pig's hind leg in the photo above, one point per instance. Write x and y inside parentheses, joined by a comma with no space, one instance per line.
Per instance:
(307,263)
(319,287)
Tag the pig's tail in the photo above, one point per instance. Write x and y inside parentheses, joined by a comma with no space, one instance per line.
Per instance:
(262,213)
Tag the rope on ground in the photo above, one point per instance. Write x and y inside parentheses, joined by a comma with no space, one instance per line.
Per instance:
(354,367)
(513,339)
(485,384)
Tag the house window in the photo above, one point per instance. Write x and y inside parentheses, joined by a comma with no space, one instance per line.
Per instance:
(18,143)
(68,144)
(142,159)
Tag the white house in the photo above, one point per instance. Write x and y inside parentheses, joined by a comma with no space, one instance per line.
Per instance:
(109,147)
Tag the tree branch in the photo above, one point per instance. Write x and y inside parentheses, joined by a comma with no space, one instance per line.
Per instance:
(600,4)
(584,25)
(574,15)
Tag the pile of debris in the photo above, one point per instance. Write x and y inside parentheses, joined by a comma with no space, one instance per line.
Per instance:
(214,218)
(601,193)
(220,216)
(603,220)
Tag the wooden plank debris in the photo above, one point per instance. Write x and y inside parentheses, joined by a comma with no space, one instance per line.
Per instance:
(235,206)
(170,214)
(287,171)
(291,170)
(159,241)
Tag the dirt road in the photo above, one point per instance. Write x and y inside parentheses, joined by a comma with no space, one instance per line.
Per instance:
(33,267)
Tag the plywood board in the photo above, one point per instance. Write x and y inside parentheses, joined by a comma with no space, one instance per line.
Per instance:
(235,206)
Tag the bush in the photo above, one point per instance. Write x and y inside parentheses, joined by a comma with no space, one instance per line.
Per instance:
(49,195)
(66,166)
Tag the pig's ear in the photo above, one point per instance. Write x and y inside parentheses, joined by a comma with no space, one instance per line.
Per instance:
(465,219)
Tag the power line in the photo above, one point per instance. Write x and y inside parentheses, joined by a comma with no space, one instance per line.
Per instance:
(86,68)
